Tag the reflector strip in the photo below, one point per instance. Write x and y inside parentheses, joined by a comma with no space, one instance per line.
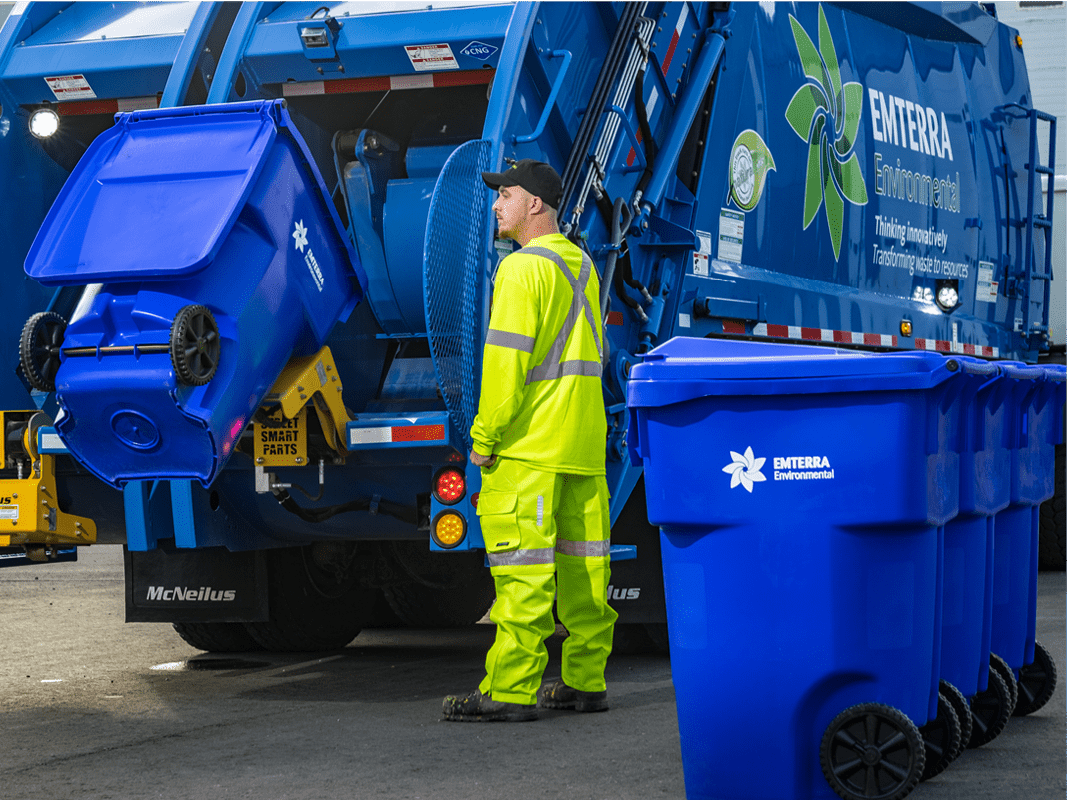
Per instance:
(852,337)
(385,83)
(83,107)
(399,433)
(674,38)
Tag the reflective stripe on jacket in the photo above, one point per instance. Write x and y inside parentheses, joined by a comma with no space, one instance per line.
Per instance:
(541,400)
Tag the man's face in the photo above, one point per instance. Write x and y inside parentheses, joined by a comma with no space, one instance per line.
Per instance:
(512,209)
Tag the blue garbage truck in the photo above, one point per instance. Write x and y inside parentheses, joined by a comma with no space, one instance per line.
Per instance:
(250,261)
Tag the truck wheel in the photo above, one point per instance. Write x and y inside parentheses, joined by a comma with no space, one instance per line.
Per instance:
(1052,546)
(316,601)
(1037,682)
(443,590)
(39,345)
(420,606)
(217,637)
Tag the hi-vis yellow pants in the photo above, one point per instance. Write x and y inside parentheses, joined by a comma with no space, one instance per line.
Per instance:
(546,534)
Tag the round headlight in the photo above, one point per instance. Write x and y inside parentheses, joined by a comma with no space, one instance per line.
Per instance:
(947,297)
(44,122)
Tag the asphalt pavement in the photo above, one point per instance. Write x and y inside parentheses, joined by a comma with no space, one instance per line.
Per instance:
(91,707)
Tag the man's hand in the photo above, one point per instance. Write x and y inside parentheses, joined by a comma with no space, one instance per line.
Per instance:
(482,461)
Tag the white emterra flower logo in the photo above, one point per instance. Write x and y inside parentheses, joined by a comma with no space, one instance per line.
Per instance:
(745,469)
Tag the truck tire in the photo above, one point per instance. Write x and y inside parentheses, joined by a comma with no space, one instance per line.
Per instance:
(217,637)
(420,606)
(316,600)
(442,590)
(1052,547)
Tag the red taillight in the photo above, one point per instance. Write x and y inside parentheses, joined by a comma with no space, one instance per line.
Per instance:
(449,486)
(474,499)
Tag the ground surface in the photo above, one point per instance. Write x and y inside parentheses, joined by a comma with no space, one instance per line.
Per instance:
(93,708)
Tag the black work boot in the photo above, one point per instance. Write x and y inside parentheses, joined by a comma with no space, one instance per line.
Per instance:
(557,694)
(477,707)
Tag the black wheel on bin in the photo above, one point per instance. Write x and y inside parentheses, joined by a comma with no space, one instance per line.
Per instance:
(1001,666)
(194,345)
(872,752)
(941,738)
(39,346)
(963,714)
(217,637)
(1037,682)
(990,711)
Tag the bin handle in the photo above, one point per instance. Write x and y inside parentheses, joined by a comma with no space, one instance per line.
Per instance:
(556,85)
(978,367)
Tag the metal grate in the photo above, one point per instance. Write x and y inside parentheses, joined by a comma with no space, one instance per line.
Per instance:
(454,261)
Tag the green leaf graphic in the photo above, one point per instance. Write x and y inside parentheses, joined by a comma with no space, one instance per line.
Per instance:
(826,113)
(835,207)
(850,179)
(829,57)
(807,100)
(813,186)
(809,57)
(852,106)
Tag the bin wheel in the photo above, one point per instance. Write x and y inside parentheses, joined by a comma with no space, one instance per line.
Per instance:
(39,346)
(990,711)
(1037,682)
(1001,666)
(194,345)
(872,752)
(941,738)
(963,714)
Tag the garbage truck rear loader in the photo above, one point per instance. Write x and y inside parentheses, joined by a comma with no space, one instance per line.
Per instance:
(861,175)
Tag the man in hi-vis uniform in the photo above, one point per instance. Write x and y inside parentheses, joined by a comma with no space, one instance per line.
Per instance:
(540,439)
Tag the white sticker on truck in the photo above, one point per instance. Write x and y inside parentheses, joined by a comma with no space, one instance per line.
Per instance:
(431,57)
(731,235)
(70,87)
(987,287)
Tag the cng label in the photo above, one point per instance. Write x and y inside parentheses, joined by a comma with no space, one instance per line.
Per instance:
(745,469)
(479,50)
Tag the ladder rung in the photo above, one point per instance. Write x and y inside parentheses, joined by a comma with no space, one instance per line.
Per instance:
(1041,277)
(1042,222)
(1044,170)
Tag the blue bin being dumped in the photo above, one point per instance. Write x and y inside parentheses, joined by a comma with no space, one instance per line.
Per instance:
(1036,427)
(212,255)
(799,492)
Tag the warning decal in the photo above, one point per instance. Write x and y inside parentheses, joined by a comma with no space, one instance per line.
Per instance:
(70,87)
(9,512)
(430,57)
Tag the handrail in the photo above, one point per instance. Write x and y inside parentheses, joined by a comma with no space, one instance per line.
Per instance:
(557,84)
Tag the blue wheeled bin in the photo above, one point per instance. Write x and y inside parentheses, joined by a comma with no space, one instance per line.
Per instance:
(985,476)
(1037,427)
(799,493)
(211,254)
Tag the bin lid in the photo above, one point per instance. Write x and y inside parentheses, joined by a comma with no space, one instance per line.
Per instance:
(686,368)
(154,196)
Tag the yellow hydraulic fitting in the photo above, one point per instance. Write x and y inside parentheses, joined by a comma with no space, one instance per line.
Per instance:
(29,506)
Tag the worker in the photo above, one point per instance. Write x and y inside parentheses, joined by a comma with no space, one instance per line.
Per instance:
(539,437)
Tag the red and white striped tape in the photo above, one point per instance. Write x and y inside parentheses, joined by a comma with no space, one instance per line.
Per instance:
(77,108)
(385,83)
(853,337)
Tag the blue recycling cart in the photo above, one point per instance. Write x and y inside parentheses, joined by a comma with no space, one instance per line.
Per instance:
(985,489)
(799,492)
(210,254)
(1036,428)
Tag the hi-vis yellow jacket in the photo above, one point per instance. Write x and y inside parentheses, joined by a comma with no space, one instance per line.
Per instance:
(541,401)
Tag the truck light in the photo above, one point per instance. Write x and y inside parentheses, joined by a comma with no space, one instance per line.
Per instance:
(44,122)
(449,485)
(948,296)
(905,327)
(448,529)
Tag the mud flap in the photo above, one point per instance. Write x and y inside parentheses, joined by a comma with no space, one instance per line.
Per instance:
(203,585)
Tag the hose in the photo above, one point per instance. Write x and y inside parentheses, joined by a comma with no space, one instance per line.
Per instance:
(316,515)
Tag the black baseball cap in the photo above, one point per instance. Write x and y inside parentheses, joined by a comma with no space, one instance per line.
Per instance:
(536,177)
